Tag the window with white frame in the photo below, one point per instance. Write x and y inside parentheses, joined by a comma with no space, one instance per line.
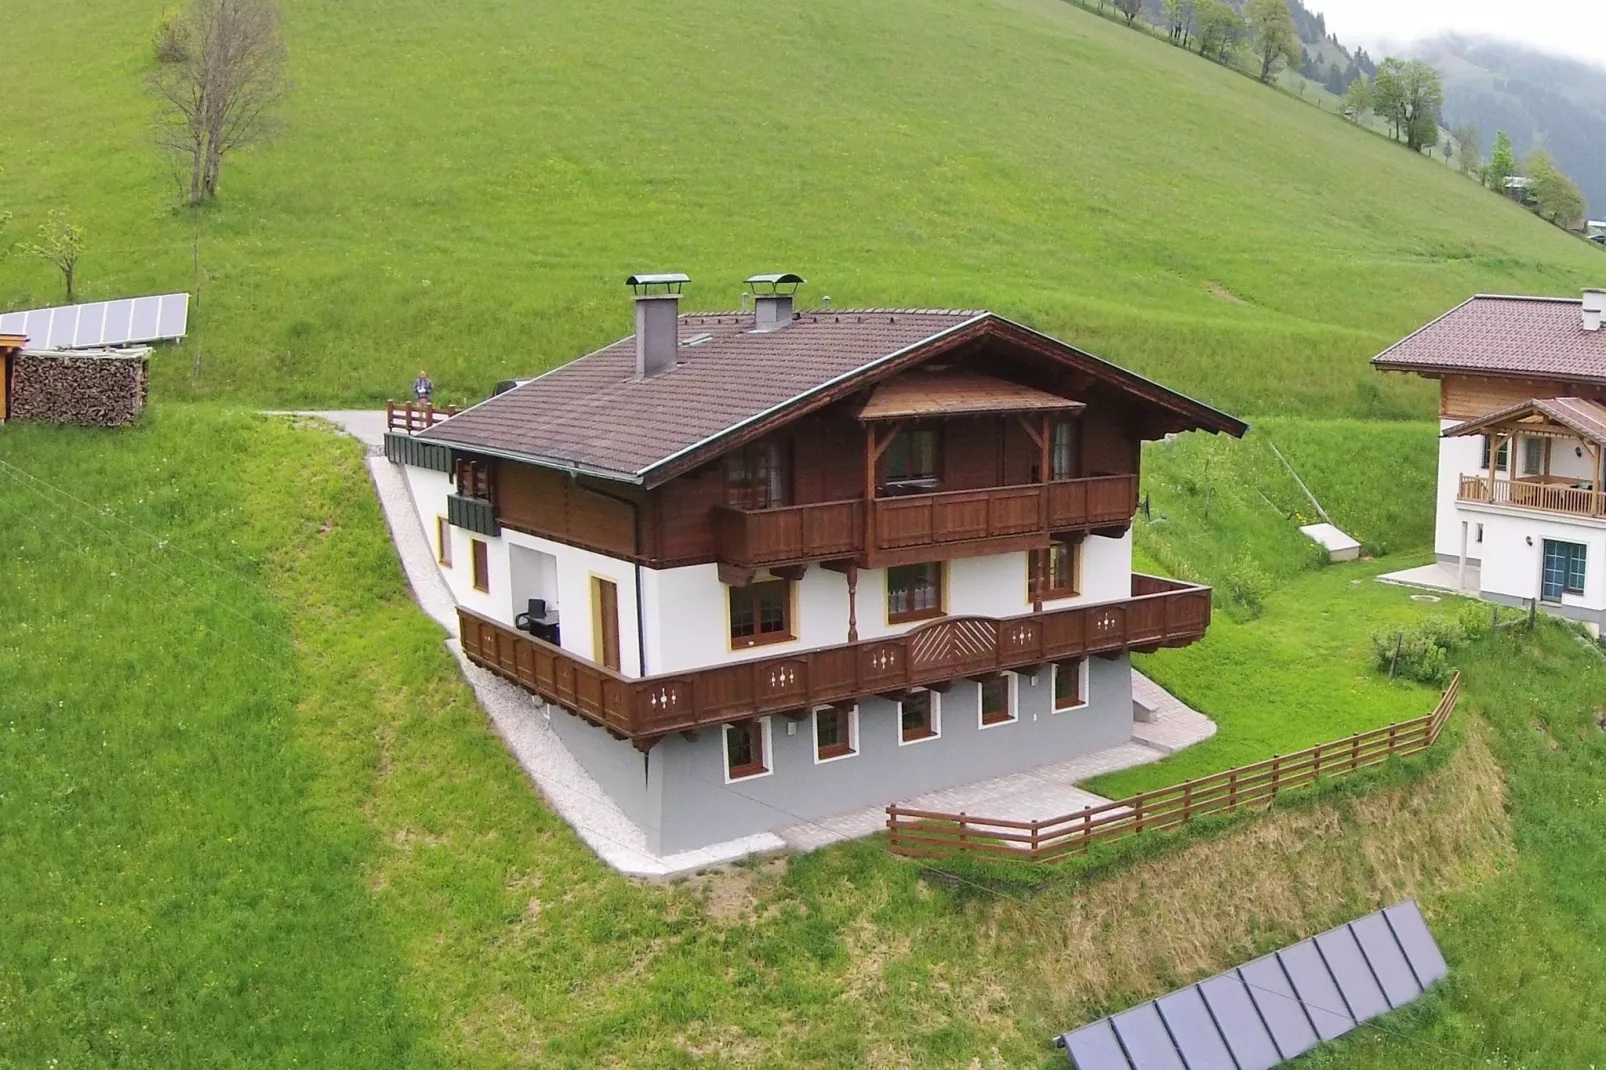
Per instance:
(997,700)
(919,717)
(1070,684)
(747,749)
(836,732)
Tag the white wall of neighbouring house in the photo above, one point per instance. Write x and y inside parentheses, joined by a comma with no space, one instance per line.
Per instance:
(688,609)
(1457,457)
(1514,554)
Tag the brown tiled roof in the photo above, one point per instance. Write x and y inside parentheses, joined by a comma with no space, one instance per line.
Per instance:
(954,391)
(1513,336)
(594,415)
(1587,418)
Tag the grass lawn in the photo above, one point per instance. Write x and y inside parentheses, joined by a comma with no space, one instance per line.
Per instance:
(465,186)
(1299,674)
(1227,511)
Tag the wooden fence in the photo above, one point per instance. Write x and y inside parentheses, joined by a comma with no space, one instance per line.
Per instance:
(930,834)
(410,418)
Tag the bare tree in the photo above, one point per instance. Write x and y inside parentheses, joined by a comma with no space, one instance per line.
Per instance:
(220,96)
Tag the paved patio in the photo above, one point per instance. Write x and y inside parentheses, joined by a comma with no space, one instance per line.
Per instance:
(522,722)
(1437,577)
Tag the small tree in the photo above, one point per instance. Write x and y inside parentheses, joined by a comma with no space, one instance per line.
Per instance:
(1470,142)
(1502,162)
(1219,28)
(1388,94)
(221,95)
(1129,8)
(1556,198)
(1409,95)
(1358,98)
(1271,32)
(61,242)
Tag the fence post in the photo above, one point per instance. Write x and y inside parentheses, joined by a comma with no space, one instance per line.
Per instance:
(1187,801)
(1354,752)
(1316,762)
(1276,779)
(1393,741)
(964,833)
(1232,792)
(1087,827)
(1036,828)
(1137,813)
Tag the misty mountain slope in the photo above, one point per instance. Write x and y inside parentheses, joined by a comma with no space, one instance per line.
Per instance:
(1541,100)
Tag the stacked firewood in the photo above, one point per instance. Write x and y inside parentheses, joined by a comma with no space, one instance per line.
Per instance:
(105,390)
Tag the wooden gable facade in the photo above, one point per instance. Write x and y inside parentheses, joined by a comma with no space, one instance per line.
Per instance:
(1055,455)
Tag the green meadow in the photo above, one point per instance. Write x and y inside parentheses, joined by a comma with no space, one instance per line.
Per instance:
(250,814)
(465,187)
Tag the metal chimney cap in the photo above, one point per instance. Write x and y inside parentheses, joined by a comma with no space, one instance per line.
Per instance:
(671,281)
(775,280)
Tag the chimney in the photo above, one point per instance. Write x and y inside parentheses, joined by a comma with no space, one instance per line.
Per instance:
(657,321)
(772,299)
(1594,309)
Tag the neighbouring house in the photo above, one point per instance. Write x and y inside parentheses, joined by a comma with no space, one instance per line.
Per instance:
(765,567)
(1522,457)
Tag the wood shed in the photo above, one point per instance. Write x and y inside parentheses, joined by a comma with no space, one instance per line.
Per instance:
(98,387)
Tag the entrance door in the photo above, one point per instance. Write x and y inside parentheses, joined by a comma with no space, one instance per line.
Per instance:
(605,611)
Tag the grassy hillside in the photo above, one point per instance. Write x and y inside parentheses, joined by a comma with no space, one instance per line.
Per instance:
(253,817)
(464,186)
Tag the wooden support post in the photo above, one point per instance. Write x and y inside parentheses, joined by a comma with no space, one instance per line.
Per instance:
(853,602)
(1232,792)
(1354,752)
(871,454)
(1276,778)
(1316,762)
(1087,828)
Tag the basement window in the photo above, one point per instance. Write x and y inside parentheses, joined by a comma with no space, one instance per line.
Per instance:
(836,733)
(919,717)
(997,701)
(1070,684)
(746,749)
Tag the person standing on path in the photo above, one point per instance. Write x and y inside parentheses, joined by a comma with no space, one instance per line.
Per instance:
(423,389)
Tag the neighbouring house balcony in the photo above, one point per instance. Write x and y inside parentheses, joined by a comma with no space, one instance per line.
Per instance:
(1160,613)
(1550,494)
(918,527)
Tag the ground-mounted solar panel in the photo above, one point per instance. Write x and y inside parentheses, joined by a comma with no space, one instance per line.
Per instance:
(1317,990)
(1193,1030)
(1240,1023)
(1417,943)
(1143,1035)
(1094,1047)
(1388,963)
(1279,1006)
(1275,1008)
(162,317)
(1348,966)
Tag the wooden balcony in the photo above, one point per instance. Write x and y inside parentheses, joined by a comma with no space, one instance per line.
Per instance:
(923,527)
(1545,495)
(1160,613)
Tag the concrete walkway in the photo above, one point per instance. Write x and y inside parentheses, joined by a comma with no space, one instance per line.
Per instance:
(523,723)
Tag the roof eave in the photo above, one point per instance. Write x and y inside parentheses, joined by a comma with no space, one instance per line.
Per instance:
(573,468)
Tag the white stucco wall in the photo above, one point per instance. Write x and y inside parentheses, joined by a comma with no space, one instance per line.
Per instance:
(688,608)
(572,568)
(1457,456)
(1511,567)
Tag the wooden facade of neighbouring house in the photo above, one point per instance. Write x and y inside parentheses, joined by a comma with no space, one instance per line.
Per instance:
(771,566)
(1522,458)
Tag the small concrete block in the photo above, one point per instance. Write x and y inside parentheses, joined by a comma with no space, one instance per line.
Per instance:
(1339,546)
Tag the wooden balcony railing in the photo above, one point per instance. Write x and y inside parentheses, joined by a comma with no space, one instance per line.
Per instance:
(410,418)
(1165,613)
(1528,494)
(936,834)
(907,527)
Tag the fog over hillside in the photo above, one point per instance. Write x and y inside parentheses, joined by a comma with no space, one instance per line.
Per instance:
(1540,99)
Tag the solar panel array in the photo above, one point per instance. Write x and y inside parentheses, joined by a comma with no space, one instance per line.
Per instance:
(1275,1008)
(101,323)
